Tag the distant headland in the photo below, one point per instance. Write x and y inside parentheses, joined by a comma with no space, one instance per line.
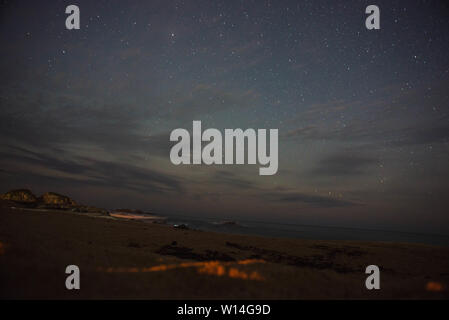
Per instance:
(25,198)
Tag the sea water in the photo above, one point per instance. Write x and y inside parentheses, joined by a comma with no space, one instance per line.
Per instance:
(270,229)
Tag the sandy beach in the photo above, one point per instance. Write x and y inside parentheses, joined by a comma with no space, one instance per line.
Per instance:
(122,259)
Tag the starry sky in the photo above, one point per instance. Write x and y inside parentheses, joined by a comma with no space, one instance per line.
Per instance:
(363,115)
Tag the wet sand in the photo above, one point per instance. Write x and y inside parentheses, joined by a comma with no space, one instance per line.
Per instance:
(136,260)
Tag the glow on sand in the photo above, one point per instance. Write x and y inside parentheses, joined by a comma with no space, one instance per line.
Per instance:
(216,268)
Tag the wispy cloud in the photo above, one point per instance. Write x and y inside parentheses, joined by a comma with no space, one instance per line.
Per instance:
(308,199)
(343,164)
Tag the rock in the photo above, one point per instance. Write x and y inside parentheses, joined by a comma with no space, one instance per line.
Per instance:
(24,198)
(91,209)
(20,195)
(55,199)
(181,226)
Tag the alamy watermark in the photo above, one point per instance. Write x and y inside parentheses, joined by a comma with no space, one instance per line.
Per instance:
(73,280)
(373,280)
(184,152)
(371,22)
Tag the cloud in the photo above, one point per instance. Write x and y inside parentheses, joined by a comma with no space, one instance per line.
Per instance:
(90,171)
(204,98)
(343,164)
(222,177)
(303,131)
(436,133)
(354,130)
(58,121)
(313,200)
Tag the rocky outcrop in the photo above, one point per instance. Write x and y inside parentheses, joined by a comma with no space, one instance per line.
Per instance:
(55,199)
(20,195)
(24,198)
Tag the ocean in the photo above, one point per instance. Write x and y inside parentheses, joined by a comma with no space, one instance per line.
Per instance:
(270,229)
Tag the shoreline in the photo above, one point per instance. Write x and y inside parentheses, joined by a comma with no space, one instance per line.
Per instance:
(129,259)
(262,228)
(167,220)
(305,231)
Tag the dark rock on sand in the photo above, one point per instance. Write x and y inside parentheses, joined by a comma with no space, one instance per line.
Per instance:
(187,253)
(316,261)
(181,226)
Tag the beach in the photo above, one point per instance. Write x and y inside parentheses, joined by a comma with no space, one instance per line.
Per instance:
(125,259)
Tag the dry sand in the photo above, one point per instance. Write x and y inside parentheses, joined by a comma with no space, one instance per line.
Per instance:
(130,259)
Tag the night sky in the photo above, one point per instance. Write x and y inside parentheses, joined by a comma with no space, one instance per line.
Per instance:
(363,115)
